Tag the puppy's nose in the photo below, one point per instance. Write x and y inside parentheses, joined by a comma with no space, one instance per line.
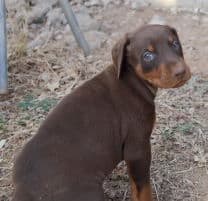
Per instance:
(180,72)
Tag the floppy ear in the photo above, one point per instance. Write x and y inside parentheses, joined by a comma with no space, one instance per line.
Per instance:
(173,30)
(119,55)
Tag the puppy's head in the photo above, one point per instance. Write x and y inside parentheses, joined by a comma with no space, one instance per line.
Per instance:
(155,54)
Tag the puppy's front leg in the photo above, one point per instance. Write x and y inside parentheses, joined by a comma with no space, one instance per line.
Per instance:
(139,173)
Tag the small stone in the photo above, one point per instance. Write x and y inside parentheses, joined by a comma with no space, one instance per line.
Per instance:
(50,3)
(136,4)
(56,18)
(56,67)
(174,10)
(9,27)
(106,2)
(127,2)
(38,16)
(31,2)
(52,86)
(67,30)
(58,35)
(94,3)
(95,39)
(196,10)
(2,143)
(45,76)
(156,19)
(39,12)
(39,40)
(86,22)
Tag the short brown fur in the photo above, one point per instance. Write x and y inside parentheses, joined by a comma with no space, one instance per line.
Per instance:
(106,120)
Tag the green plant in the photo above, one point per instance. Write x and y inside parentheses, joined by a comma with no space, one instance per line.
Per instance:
(31,103)
(185,128)
(168,133)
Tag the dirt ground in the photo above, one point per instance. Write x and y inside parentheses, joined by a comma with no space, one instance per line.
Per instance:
(38,79)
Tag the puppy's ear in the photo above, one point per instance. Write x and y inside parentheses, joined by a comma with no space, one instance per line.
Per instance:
(173,30)
(119,55)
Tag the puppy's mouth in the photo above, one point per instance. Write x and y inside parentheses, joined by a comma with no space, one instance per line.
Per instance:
(182,82)
(179,84)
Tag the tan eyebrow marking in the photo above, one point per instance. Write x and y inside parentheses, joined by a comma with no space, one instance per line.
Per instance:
(151,48)
(170,39)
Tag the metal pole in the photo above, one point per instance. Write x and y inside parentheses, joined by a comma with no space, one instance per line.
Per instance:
(3,49)
(72,21)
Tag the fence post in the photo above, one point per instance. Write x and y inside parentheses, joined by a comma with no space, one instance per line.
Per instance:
(3,49)
(72,21)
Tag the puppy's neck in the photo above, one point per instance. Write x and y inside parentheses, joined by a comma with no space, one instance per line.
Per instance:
(140,86)
(152,89)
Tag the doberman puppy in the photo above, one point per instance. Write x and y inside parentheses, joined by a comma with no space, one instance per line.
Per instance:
(106,120)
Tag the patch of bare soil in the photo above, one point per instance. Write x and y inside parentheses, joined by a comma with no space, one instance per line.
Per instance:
(40,78)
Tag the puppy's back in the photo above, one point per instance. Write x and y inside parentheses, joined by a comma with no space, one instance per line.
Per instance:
(74,140)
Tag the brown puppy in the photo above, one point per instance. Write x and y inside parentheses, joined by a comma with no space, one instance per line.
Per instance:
(108,119)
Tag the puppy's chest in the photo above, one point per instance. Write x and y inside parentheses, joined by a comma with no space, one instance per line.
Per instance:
(139,120)
(143,119)
(139,112)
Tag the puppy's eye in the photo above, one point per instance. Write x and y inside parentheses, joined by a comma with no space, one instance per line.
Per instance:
(176,45)
(149,56)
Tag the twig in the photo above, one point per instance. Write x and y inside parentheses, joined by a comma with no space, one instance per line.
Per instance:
(124,197)
(155,187)
(183,171)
